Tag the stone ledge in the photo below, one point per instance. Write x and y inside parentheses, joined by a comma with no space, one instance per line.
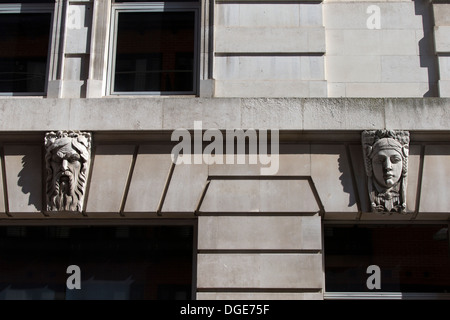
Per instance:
(144,114)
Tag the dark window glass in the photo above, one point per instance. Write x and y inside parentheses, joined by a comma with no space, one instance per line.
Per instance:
(119,1)
(24,39)
(155,52)
(411,258)
(129,262)
(27,1)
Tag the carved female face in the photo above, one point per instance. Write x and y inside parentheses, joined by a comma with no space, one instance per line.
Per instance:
(387,167)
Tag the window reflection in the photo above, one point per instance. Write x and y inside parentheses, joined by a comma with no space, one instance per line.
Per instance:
(155,52)
(23,57)
(411,258)
(117,263)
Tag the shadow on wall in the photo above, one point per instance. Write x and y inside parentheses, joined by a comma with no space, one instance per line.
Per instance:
(30,179)
(428,58)
(346,180)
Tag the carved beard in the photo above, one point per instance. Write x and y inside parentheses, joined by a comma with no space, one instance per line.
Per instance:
(67,193)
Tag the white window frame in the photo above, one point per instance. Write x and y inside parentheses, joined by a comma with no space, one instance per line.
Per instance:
(151,7)
(33,8)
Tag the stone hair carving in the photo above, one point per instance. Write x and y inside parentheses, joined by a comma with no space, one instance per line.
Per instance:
(67,159)
(386,162)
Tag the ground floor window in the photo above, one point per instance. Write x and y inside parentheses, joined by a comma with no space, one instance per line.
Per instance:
(411,258)
(115,262)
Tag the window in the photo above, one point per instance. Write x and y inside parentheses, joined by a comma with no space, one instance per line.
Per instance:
(25,42)
(116,262)
(154,48)
(411,258)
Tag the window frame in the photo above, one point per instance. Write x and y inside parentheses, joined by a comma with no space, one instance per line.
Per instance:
(380,295)
(14,8)
(118,8)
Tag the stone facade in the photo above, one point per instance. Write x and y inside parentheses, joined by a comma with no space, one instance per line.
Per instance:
(320,73)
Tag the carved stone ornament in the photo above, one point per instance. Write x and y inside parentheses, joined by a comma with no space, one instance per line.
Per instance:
(386,162)
(67,158)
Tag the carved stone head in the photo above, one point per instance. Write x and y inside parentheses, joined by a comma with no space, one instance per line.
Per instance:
(386,162)
(67,158)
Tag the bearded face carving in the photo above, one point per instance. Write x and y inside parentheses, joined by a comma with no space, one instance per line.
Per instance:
(386,162)
(67,162)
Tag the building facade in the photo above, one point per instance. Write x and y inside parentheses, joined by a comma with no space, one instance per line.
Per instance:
(224,149)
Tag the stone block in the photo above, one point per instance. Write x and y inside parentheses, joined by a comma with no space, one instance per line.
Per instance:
(441,13)
(77,41)
(444,68)
(341,114)
(214,113)
(353,68)
(73,89)
(22,114)
(353,15)
(389,90)
(150,174)
(259,271)
(259,296)
(330,172)
(269,68)
(403,69)
(422,114)
(269,14)
(129,114)
(185,188)
(413,177)
(269,40)
(259,233)
(272,113)
(255,195)
(435,183)
(262,88)
(444,88)
(442,39)
(24,173)
(110,174)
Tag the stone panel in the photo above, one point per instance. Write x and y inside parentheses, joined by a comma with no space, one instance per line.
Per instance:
(413,177)
(269,40)
(269,68)
(391,89)
(422,114)
(444,88)
(442,39)
(435,181)
(110,173)
(340,114)
(289,271)
(257,195)
(259,233)
(441,14)
(293,160)
(24,172)
(185,188)
(259,296)
(150,173)
(268,14)
(331,175)
(353,15)
(267,88)
(354,68)
(444,68)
